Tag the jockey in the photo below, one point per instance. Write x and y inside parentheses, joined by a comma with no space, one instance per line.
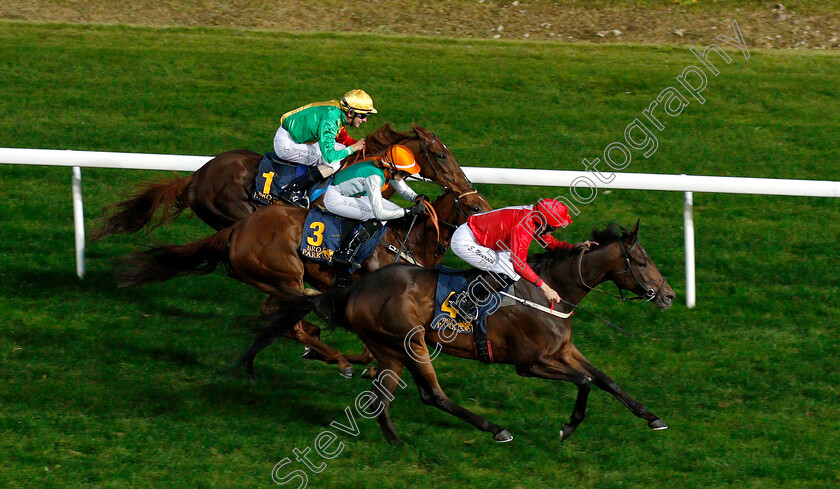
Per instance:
(314,135)
(356,193)
(497,242)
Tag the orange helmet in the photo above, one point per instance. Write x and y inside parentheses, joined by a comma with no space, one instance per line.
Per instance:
(554,212)
(400,158)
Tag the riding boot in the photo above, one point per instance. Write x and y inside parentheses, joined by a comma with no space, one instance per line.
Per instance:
(347,251)
(294,192)
(476,292)
(466,304)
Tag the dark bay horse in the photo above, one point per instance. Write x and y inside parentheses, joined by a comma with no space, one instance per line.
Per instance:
(219,192)
(262,250)
(391,311)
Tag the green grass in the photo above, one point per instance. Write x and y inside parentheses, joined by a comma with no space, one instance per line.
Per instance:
(102,387)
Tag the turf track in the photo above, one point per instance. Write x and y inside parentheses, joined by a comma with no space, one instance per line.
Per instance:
(129,388)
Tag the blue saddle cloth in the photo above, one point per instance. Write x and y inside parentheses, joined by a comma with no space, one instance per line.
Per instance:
(274,174)
(450,282)
(322,237)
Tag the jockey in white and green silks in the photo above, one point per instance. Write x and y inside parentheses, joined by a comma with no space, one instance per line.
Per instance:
(315,135)
(356,193)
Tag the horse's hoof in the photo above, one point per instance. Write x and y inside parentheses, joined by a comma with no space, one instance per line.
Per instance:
(566,432)
(503,436)
(657,424)
(346,372)
(309,354)
(369,373)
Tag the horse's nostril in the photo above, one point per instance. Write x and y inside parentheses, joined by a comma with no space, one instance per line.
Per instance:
(669,298)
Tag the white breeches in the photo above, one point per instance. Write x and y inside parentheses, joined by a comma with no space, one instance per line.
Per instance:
(302,153)
(358,208)
(465,246)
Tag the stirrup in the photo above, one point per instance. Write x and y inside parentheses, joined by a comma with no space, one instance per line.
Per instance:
(345,259)
(464,306)
(297,198)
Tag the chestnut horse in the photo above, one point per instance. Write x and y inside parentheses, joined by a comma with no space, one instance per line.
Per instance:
(262,250)
(219,192)
(392,309)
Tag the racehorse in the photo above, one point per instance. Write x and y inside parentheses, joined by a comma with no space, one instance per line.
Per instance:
(392,309)
(220,192)
(262,250)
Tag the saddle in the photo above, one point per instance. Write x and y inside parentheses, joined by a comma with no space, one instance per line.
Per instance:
(275,173)
(450,282)
(323,232)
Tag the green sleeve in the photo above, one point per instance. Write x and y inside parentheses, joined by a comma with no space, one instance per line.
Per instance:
(326,140)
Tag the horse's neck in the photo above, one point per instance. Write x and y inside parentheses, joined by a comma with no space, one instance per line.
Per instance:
(594,268)
(423,238)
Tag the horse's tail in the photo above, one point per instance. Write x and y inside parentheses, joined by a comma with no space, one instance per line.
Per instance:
(137,212)
(161,263)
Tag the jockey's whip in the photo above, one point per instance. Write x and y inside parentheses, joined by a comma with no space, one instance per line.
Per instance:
(536,306)
(402,246)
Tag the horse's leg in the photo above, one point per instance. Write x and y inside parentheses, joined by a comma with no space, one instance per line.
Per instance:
(363,358)
(327,353)
(431,393)
(305,333)
(554,370)
(266,338)
(570,355)
(387,384)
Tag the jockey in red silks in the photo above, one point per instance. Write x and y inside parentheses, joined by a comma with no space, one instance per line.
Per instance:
(497,242)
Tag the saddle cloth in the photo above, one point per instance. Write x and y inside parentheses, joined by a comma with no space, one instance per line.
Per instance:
(322,236)
(450,282)
(274,174)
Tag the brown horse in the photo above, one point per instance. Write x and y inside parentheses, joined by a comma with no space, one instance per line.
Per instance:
(262,250)
(219,192)
(392,309)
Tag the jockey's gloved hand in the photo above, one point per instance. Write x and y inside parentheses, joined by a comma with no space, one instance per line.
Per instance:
(416,209)
(421,198)
(586,245)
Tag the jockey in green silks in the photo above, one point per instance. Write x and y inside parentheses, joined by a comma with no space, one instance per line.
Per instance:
(315,135)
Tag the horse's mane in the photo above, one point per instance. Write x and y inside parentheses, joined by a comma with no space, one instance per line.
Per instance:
(385,137)
(603,237)
(381,139)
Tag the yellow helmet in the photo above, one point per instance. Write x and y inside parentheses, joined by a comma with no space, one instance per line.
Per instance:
(357,101)
(400,158)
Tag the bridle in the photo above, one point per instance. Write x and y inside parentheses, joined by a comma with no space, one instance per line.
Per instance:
(434,165)
(436,221)
(650,292)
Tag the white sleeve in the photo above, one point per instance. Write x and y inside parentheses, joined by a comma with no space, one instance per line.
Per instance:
(373,188)
(404,190)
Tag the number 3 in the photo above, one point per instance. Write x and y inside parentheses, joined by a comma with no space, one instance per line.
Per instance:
(318,231)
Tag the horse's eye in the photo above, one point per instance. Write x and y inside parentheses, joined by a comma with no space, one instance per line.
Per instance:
(642,264)
(441,156)
(476,208)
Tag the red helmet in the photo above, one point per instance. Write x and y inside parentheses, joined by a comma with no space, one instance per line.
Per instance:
(554,212)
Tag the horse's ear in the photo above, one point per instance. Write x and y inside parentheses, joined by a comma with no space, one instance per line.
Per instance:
(421,132)
(634,233)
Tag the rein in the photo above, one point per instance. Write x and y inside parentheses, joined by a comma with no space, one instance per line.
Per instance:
(435,219)
(650,293)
